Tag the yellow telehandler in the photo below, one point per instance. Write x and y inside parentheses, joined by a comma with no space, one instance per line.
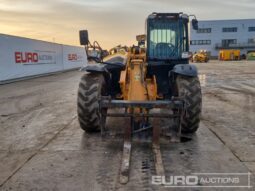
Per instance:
(141,79)
(200,56)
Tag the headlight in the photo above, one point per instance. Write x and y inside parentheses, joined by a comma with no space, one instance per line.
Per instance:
(185,55)
(94,53)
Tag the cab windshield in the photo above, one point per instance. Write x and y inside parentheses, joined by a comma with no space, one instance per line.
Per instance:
(166,39)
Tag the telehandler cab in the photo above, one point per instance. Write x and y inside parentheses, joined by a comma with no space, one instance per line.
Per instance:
(154,75)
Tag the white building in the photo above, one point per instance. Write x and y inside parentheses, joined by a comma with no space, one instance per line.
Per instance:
(223,34)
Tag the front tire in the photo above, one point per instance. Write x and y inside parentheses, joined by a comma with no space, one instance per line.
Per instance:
(189,88)
(91,87)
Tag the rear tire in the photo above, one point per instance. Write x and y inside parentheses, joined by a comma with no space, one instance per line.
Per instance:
(90,88)
(189,88)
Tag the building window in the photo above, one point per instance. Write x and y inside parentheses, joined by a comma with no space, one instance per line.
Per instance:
(251,29)
(251,41)
(200,42)
(231,29)
(204,30)
(227,42)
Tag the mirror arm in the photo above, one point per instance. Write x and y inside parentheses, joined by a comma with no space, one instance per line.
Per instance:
(96,45)
(87,47)
(193,16)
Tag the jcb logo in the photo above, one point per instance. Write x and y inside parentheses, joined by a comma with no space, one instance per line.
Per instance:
(26,57)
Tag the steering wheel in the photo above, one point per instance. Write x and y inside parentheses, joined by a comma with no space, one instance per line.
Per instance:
(168,47)
(172,47)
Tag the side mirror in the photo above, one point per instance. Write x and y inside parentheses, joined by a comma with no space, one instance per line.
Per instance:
(195,24)
(84,37)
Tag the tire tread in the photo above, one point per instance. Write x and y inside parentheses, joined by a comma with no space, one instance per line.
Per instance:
(189,88)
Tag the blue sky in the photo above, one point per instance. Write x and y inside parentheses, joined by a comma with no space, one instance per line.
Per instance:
(111,22)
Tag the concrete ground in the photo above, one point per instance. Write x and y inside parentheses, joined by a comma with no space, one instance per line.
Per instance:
(43,148)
